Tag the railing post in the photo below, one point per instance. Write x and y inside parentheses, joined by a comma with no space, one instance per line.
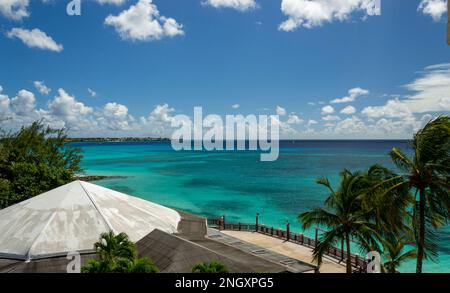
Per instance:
(257,222)
(223,222)
(316,237)
(288,232)
(342,250)
(239,226)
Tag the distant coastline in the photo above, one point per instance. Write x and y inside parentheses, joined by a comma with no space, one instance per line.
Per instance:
(165,139)
(116,139)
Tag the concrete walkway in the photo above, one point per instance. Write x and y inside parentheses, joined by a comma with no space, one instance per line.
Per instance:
(292,264)
(288,249)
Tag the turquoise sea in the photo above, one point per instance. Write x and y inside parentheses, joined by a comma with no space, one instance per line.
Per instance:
(236,184)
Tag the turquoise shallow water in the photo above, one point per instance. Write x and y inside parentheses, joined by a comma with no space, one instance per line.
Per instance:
(237,184)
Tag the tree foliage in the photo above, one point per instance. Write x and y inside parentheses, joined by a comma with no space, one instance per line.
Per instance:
(34,160)
(344,216)
(395,212)
(117,254)
(427,174)
(212,267)
(396,250)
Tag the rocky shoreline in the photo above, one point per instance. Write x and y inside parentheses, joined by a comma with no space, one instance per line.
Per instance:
(98,178)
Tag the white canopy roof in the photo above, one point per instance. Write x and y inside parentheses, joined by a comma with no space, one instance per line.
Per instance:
(72,217)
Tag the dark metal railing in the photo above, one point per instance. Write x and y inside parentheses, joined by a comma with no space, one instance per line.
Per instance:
(359,263)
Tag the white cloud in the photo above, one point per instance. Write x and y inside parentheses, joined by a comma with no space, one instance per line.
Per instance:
(235,106)
(115,110)
(352,125)
(444,103)
(113,119)
(241,5)
(91,92)
(353,94)
(159,121)
(18,110)
(280,111)
(430,93)
(404,127)
(4,107)
(349,110)
(161,113)
(286,129)
(399,116)
(35,38)
(23,104)
(14,9)
(66,108)
(4,104)
(294,119)
(434,8)
(327,110)
(313,13)
(331,118)
(392,109)
(357,127)
(431,90)
(42,88)
(143,22)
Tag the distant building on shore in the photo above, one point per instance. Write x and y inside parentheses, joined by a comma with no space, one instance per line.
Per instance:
(116,139)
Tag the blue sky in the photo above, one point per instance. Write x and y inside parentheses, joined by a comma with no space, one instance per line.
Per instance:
(147,61)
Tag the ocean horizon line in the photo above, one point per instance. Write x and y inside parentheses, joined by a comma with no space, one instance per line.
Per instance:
(152,139)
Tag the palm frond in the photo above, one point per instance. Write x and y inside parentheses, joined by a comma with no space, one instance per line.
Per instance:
(328,240)
(401,160)
(320,217)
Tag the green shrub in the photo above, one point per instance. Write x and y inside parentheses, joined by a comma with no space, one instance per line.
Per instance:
(33,161)
(213,267)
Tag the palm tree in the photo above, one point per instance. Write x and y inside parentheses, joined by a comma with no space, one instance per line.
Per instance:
(394,253)
(427,172)
(388,201)
(344,216)
(113,247)
(117,254)
(213,267)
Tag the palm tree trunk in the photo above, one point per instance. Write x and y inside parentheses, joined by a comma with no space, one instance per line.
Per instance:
(421,240)
(349,259)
